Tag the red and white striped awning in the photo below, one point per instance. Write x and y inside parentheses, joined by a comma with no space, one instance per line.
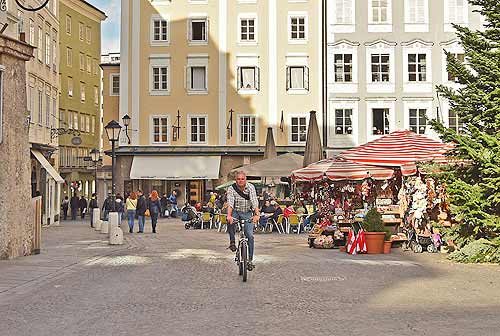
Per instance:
(397,149)
(338,169)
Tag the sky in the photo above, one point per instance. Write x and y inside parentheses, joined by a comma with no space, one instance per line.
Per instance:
(110,29)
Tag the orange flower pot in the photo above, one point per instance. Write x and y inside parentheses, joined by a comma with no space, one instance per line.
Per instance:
(375,242)
(387,246)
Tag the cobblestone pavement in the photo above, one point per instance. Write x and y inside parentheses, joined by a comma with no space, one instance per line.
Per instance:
(184,282)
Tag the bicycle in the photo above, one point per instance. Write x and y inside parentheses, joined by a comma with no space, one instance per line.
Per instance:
(241,257)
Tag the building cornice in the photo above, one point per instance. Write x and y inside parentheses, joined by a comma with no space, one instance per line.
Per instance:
(86,9)
(344,41)
(380,41)
(417,41)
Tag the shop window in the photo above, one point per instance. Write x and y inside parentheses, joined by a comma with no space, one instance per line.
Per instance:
(380,120)
(343,121)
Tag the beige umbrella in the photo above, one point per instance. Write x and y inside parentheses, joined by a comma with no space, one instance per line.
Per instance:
(279,166)
(270,151)
(314,150)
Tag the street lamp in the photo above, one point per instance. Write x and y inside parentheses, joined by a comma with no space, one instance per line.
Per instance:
(94,156)
(113,130)
(126,123)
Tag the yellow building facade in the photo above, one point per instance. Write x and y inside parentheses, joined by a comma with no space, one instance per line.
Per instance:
(203,80)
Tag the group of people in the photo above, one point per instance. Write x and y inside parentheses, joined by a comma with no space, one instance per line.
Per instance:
(78,205)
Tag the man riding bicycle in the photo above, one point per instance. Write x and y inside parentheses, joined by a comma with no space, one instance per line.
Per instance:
(243,205)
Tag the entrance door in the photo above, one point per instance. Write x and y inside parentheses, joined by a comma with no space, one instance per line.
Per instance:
(195,192)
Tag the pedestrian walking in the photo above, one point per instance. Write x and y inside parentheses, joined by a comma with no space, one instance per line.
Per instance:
(131,205)
(173,203)
(65,207)
(164,203)
(142,206)
(106,207)
(75,206)
(154,207)
(93,205)
(119,207)
(83,206)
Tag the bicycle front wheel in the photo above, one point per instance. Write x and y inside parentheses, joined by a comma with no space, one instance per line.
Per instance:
(244,261)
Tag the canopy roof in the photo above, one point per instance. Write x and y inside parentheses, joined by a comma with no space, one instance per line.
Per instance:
(279,166)
(397,149)
(338,169)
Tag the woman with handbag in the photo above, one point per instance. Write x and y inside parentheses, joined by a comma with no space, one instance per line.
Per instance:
(154,207)
(131,206)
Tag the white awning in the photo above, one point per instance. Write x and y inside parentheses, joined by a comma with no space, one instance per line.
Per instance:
(175,168)
(47,166)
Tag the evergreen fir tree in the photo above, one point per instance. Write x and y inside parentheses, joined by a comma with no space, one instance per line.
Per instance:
(474,187)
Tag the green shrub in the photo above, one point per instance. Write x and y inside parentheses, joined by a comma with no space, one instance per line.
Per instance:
(479,251)
(373,221)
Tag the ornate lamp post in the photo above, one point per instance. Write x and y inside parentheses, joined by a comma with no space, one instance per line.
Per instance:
(126,123)
(113,130)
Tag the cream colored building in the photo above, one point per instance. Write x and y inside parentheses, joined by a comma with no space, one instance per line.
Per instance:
(41,30)
(203,79)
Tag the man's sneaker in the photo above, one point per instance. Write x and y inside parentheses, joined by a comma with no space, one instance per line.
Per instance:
(232,247)
(250,266)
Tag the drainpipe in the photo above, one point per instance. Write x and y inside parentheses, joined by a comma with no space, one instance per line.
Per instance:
(324,74)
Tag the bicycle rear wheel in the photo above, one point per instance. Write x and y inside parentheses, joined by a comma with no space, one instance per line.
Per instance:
(244,261)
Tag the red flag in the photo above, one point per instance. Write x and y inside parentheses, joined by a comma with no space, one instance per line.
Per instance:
(361,242)
(351,242)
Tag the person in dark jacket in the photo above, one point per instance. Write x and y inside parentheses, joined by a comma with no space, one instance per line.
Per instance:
(106,207)
(141,210)
(163,203)
(65,207)
(75,206)
(119,207)
(154,206)
(93,205)
(173,202)
(267,208)
(83,206)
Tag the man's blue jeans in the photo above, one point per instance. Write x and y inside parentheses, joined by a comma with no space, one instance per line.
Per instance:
(231,229)
(142,219)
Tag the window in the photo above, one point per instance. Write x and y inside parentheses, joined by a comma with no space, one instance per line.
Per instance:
(29,100)
(68,24)
(455,122)
(343,67)
(160,78)
(248,78)
(297,28)
(247,30)
(418,120)
(54,113)
(69,120)
(115,85)
(82,92)
(197,78)
(87,124)
(160,130)
(40,107)
(460,58)
(198,30)
(344,12)
(47,49)
(92,125)
(96,95)
(82,62)
(415,11)
(297,78)
(247,130)
(198,130)
(69,56)
(54,53)
(75,120)
(88,34)
(298,129)
(380,67)
(160,30)
(457,11)
(417,67)
(40,44)
(81,31)
(96,68)
(47,109)
(380,11)
(343,121)
(32,32)
(89,64)
(380,121)
(70,86)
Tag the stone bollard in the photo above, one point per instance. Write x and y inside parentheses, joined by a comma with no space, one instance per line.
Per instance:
(96,215)
(112,222)
(105,227)
(116,236)
(98,224)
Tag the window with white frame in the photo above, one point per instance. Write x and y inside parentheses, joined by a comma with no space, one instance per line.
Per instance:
(344,12)
(88,34)
(115,85)
(30,102)
(40,44)
(198,30)
(96,95)
(68,24)
(47,109)
(343,68)
(82,62)
(247,129)
(456,11)
(32,32)
(159,29)
(248,78)
(460,57)
(197,78)
(82,91)
(69,56)
(343,121)
(92,125)
(159,129)
(297,78)
(54,52)
(416,11)
(89,64)
(87,124)
(380,121)
(47,49)
(69,119)
(40,106)
(54,113)
(298,129)
(417,67)
(160,78)
(380,11)
(198,129)
(248,29)
(380,67)
(418,120)
(455,122)
(81,31)
(298,27)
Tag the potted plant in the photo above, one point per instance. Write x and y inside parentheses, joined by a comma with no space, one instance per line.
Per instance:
(388,241)
(374,232)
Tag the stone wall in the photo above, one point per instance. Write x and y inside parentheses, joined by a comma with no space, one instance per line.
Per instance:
(16,219)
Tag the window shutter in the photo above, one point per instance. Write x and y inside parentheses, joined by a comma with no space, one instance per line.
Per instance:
(207,30)
(306,78)
(257,78)
(238,78)
(287,78)
(189,30)
(187,77)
